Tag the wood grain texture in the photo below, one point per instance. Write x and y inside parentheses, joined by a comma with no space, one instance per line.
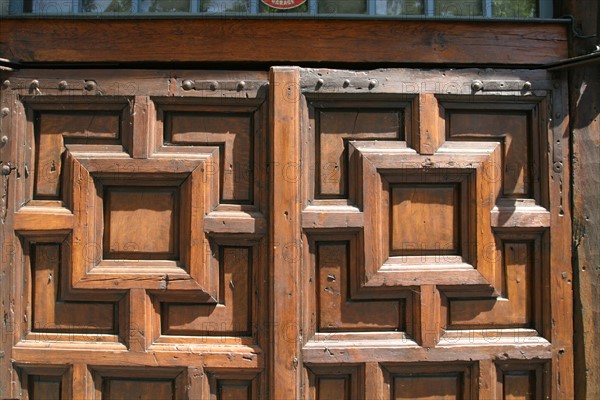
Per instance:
(584,84)
(247,40)
(285,235)
(337,311)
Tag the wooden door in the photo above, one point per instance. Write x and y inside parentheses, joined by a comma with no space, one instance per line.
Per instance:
(429,218)
(304,234)
(136,251)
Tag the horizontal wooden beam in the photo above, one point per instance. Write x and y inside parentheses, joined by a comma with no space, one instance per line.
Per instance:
(281,41)
(34,220)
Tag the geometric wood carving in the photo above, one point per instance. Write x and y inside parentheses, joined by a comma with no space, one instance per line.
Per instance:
(334,129)
(232,134)
(337,311)
(514,126)
(459,184)
(333,122)
(175,188)
(231,315)
(50,312)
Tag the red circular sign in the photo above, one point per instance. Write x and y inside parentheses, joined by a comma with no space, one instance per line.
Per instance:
(284,4)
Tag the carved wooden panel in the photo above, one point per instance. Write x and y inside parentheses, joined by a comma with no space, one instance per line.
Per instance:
(142,230)
(334,122)
(447,222)
(323,234)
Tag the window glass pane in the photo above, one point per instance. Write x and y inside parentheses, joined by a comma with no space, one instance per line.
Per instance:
(225,6)
(399,7)
(342,6)
(164,6)
(458,8)
(105,6)
(302,8)
(51,7)
(514,8)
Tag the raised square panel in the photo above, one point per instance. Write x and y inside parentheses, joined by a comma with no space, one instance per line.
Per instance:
(141,223)
(425,219)
(144,220)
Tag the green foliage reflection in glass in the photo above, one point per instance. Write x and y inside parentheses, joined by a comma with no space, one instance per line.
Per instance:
(514,8)
(444,8)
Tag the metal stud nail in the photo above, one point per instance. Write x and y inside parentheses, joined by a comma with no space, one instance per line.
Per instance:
(89,86)
(62,85)
(214,85)
(5,111)
(320,83)
(6,84)
(3,141)
(373,83)
(187,84)
(527,85)
(477,85)
(35,84)
(346,83)
(241,85)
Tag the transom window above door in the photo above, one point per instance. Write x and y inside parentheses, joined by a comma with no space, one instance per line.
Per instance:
(285,8)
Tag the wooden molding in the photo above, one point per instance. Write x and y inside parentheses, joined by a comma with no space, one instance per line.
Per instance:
(281,41)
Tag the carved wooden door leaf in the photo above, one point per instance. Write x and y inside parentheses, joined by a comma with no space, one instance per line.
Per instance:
(300,234)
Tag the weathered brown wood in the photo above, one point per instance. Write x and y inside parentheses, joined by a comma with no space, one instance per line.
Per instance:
(428,133)
(584,104)
(247,40)
(331,304)
(285,253)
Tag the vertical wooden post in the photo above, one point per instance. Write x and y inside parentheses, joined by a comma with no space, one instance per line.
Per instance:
(285,230)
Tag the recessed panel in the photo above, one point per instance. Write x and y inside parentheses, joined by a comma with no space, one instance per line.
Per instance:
(54,129)
(141,223)
(233,134)
(337,311)
(51,313)
(510,128)
(139,389)
(82,125)
(45,387)
(519,385)
(335,128)
(231,315)
(442,387)
(425,219)
(514,307)
(234,389)
(336,387)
